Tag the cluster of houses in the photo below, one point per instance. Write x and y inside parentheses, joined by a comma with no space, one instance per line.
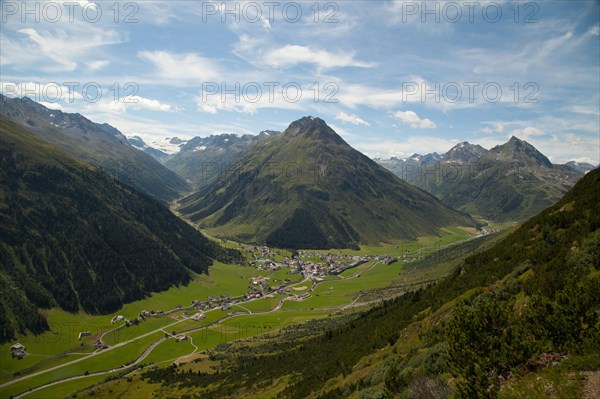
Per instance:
(357,262)
(309,264)
(263,252)
(212,302)
(99,344)
(198,316)
(387,259)
(280,289)
(265,264)
(180,338)
(18,351)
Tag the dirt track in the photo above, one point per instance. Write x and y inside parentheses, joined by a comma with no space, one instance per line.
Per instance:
(591,387)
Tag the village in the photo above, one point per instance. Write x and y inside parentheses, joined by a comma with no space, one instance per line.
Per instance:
(310,265)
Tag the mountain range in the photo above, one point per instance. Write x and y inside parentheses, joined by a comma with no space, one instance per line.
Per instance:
(509,182)
(98,144)
(512,181)
(201,160)
(307,188)
(73,236)
(468,177)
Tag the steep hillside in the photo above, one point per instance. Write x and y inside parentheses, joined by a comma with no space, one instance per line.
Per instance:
(73,236)
(307,188)
(99,144)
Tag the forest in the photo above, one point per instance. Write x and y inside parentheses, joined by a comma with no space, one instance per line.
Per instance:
(74,237)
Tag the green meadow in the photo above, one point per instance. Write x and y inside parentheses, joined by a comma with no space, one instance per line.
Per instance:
(61,345)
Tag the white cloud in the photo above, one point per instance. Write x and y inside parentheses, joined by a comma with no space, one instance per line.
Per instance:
(125,103)
(292,54)
(53,47)
(346,134)
(105,107)
(411,118)
(182,68)
(96,65)
(495,128)
(64,48)
(56,106)
(265,23)
(138,102)
(584,110)
(527,133)
(240,101)
(414,89)
(353,119)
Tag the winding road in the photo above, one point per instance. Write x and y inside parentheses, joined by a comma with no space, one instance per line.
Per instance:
(154,344)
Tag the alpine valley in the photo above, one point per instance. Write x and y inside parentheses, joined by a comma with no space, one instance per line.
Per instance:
(289,265)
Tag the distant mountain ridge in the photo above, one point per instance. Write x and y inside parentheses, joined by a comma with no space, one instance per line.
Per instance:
(307,188)
(141,145)
(99,144)
(583,167)
(512,181)
(201,160)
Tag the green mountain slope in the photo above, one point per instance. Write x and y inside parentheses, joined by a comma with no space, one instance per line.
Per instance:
(73,236)
(502,316)
(307,188)
(513,181)
(98,144)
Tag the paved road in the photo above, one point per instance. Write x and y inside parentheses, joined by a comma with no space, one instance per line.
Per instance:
(151,347)
(146,352)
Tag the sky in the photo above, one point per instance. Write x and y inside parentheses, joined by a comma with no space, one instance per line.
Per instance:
(391,77)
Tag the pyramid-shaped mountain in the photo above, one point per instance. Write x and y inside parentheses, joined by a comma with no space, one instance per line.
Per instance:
(307,188)
(520,153)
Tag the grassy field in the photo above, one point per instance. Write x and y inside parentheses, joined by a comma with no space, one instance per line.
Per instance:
(126,333)
(260,305)
(272,321)
(60,340)
(170,350)
(61,344)
(342,291)
(103,361)
(66,388)
(452,234)
(355,270)
(250,325)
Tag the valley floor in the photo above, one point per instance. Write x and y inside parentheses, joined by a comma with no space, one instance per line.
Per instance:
(62,361)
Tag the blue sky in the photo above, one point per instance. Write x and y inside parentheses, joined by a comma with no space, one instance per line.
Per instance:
(391,77)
